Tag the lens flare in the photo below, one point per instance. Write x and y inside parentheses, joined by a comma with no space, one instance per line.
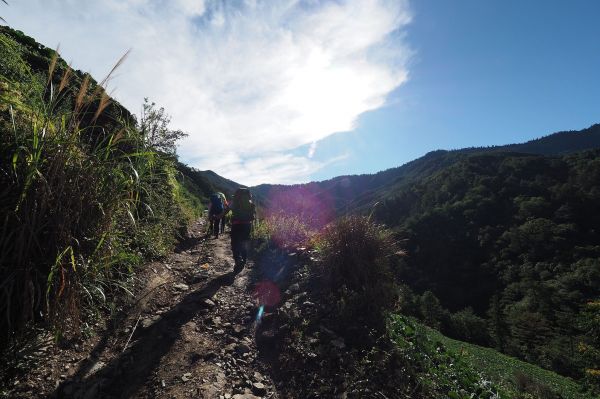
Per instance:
(261,311)
(267,293)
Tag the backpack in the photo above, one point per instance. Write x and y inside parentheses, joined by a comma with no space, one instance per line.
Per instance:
(243,208)
(225,203)
(216,204)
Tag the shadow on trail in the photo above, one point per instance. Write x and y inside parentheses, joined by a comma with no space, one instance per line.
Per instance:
(128,372)
(273,270)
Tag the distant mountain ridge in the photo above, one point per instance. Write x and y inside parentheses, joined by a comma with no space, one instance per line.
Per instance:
(350,193)
(202,183)
(502,243)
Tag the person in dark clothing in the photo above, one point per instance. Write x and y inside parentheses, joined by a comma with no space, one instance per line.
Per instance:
(243,213)
(225,212)
(216,209)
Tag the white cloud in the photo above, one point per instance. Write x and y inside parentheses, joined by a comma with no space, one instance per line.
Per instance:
(249,80)
(312,149)
(286,167)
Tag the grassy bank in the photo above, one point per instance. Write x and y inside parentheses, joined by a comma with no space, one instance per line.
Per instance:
(86,196)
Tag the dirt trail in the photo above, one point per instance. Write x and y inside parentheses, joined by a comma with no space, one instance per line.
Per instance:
(190,334)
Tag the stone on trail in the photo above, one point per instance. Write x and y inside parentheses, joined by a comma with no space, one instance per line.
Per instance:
(259,388)
(97,366)
(308,304)
(150,320)
(208,303)
(238,330)
(258,376)
(181,287)
(186,377)
(242,348)
(294,288)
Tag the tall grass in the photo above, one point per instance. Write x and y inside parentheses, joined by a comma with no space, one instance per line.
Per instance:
(79,189)
(357,261)
(286,232)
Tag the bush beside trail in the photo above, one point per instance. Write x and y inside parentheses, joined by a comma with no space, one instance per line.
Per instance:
(86,194)
(339,330)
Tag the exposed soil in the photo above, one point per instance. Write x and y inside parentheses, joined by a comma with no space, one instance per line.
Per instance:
(189,333)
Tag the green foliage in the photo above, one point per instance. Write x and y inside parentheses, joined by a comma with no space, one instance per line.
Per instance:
(155,131)
(451,368)
(589,346)
(83,198)
(442,373)
(513,376)
(431,311)
(513,237)
(467,326)
(357,263)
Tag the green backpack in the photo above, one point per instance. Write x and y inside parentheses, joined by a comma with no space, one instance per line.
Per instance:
(243,208)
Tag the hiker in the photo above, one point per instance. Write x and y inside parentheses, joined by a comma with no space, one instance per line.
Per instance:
(216,210)
(243,213)
(225,212)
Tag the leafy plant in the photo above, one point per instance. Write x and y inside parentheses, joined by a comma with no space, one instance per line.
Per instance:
(84,198)
(357,260)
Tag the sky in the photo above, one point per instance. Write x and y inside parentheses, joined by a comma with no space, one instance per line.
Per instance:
(288,91)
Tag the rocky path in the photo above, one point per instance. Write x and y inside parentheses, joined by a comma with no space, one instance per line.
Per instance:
(190,334)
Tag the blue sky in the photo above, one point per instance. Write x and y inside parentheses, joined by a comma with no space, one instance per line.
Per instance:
(287,91)
(483,73)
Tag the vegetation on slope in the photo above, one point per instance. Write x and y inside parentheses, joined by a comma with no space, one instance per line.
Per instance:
(508,242)
(358,193)
(87,193)
(458,369)
(339,325)
(503,247)
(201,184)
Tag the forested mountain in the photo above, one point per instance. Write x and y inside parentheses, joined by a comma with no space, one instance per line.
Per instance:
(503,243)
(203,183)
(512,238)
(359,192)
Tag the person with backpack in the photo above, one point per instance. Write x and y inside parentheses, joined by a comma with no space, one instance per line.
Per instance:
(216,210)
(243,213)
(225,212)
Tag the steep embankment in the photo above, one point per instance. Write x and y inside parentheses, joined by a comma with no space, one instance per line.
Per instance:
(200,184)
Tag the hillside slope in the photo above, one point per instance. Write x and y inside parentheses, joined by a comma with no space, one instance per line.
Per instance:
(202,184)
(503,243)
(360,192)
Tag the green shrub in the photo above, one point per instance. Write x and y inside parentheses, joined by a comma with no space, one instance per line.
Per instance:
(430,310)
(83,200)
(283,232)
(357,261)
(527,385)
(467,326)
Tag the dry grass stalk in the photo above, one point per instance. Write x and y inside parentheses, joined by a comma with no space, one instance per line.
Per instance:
(52,65)
(114,68)
(104,102)
(82,92)
(65,79)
